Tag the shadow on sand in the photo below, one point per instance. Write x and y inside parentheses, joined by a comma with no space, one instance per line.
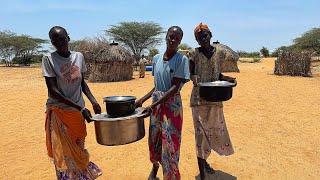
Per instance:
(218,175)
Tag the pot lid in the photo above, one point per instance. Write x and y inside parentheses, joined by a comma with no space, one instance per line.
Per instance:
(119,98)
(217,84)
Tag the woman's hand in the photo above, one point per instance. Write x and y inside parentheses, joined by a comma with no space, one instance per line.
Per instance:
(195,80)
(86,114)
(228,78)
(96,108)
(138,103)
(147,111)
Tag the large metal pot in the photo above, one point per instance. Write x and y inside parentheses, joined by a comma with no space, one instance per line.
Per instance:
(216,91)
(118,131)
(119,106)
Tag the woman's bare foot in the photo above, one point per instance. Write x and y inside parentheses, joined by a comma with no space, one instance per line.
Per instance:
(154,171)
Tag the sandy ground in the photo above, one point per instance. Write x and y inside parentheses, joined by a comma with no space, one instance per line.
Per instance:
(273,121)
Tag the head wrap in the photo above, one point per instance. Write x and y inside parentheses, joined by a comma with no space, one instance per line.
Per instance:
(200,28)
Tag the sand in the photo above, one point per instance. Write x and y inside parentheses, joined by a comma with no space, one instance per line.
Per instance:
(273,122)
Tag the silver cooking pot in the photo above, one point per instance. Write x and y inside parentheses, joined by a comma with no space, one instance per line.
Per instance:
(121,130)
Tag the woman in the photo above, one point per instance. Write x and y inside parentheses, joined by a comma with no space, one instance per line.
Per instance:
(65,126)
(142,66)
(210,128)
(170,71)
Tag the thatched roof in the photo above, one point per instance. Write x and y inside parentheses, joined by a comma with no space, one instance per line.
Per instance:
(100,51)
(114,53)
(226,48)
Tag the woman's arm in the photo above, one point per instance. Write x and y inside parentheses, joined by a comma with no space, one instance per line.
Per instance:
(226,78)
(140,101)
(56,94)
(87,92)
(176,84)
(194,78)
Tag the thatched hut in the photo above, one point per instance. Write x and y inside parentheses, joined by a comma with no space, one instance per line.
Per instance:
(89,48)
(293,64)
(105,62)
(230,64)
(112,64)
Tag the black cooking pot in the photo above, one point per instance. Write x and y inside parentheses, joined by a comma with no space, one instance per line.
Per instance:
(216,91)
(119,106)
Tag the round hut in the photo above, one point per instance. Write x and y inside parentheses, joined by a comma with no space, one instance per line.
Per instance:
(230,64)
(110,64)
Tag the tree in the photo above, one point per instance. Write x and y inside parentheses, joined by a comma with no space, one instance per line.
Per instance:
(6,46)
(19,46)
(153,52)
(136,36)
(184,47)
(309,41)
(265,52)
(245,54)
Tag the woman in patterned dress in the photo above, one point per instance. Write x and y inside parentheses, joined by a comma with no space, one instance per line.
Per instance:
(210,128)
(170,71)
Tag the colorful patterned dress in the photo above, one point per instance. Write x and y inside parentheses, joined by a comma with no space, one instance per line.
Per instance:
(166,119)
(210,127)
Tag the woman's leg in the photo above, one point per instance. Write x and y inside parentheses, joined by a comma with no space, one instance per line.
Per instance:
(203,148)
(154,171)
(155,143)
(171,141)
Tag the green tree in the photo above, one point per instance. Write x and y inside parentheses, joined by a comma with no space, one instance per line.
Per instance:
(153,52)
(245,54)
(136,36)
(22,47)
(265,52)
(309,41)
(6,46)
(184,47)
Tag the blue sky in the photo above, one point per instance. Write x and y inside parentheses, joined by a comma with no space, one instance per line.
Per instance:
(241,24)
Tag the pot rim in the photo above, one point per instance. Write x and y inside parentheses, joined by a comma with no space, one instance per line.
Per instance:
(108,99)
(104,117)
(214,84)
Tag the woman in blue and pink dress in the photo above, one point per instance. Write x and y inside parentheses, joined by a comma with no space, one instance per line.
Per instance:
(170,71)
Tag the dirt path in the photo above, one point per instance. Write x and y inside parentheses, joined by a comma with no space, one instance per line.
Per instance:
(273,121)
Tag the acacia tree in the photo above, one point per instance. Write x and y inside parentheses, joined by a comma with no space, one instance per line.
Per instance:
(153,52)
(16,46)
(6,46)
(265,52)
(136,36)
(184,46)
(310,40)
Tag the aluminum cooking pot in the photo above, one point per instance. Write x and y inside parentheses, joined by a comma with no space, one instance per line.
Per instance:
(216,91)
(119,106)
(118,131)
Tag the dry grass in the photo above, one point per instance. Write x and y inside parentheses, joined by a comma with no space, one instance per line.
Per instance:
(273,122)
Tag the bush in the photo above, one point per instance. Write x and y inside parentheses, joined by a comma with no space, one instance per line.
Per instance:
(249,54)
(27,60)
(256,60)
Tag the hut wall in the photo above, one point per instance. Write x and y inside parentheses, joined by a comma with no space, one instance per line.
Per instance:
(293,64)
(229,66)
(111,72)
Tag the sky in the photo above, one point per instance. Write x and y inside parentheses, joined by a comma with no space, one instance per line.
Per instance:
(241,24)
